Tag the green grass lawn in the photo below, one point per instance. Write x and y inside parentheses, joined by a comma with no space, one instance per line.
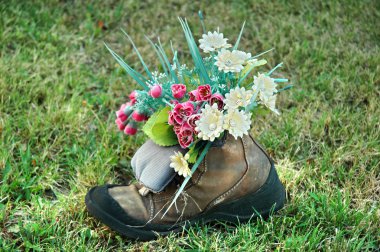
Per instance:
(59,88)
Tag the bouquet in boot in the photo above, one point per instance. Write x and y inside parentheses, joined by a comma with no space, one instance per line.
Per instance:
(193,107)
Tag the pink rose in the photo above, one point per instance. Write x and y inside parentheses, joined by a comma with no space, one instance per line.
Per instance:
(156,91)
(185,138)
(185,135)
(186,128)
(182,110)
(192,119)
(171,119)
(130,129)
(204,92)
(194,95)
(177,129)
(218,99)
(178,91)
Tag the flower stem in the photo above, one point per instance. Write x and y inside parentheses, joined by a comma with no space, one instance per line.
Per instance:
(168,103)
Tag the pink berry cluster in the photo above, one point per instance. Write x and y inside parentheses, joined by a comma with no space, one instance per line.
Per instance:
(184,115)
(126,112)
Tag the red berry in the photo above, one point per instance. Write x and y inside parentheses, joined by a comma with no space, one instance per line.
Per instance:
(138,117)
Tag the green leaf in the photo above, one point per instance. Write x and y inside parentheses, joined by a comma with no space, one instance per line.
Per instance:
(158,129)
(193,153)
(139,55)
(195,54)
(238,40)
(141,80)
(248,68)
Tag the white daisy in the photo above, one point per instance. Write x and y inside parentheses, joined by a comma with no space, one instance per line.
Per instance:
(210,123)
(265,85)
(231,61)
(211,41)
(270,102)
(238,97)
(179,163)
(237,122)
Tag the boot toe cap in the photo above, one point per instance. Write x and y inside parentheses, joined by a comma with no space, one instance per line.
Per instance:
(105,208)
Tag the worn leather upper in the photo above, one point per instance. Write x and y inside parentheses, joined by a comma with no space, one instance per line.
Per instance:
(227,173)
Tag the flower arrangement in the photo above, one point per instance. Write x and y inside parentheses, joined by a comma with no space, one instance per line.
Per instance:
(195,106)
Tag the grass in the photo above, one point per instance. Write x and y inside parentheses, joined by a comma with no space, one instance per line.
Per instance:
(59,87)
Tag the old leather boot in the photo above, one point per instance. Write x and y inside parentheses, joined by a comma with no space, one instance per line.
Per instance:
(234,183)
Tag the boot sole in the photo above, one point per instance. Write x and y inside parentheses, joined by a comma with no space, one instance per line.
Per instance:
(268,199)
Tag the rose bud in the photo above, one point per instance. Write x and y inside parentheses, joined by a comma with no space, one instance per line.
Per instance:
(178,91)
(182,110)
(185,138)
(204,92)
(156,91)
(138,117)
(130,129)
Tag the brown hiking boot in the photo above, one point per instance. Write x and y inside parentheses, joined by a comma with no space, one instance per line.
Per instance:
(234,183)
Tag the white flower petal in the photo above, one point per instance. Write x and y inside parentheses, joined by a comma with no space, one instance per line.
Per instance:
(270,102)
(265,84)
(231,61)
(210,124)
(212,41)
(237,122)
(238,97)
(179,163)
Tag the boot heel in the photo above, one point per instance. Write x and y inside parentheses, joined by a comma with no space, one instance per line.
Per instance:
(268,199)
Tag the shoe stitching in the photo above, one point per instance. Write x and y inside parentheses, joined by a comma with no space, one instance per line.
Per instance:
(151,214)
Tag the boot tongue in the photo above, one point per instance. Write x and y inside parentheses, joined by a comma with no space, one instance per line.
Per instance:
(151,165)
